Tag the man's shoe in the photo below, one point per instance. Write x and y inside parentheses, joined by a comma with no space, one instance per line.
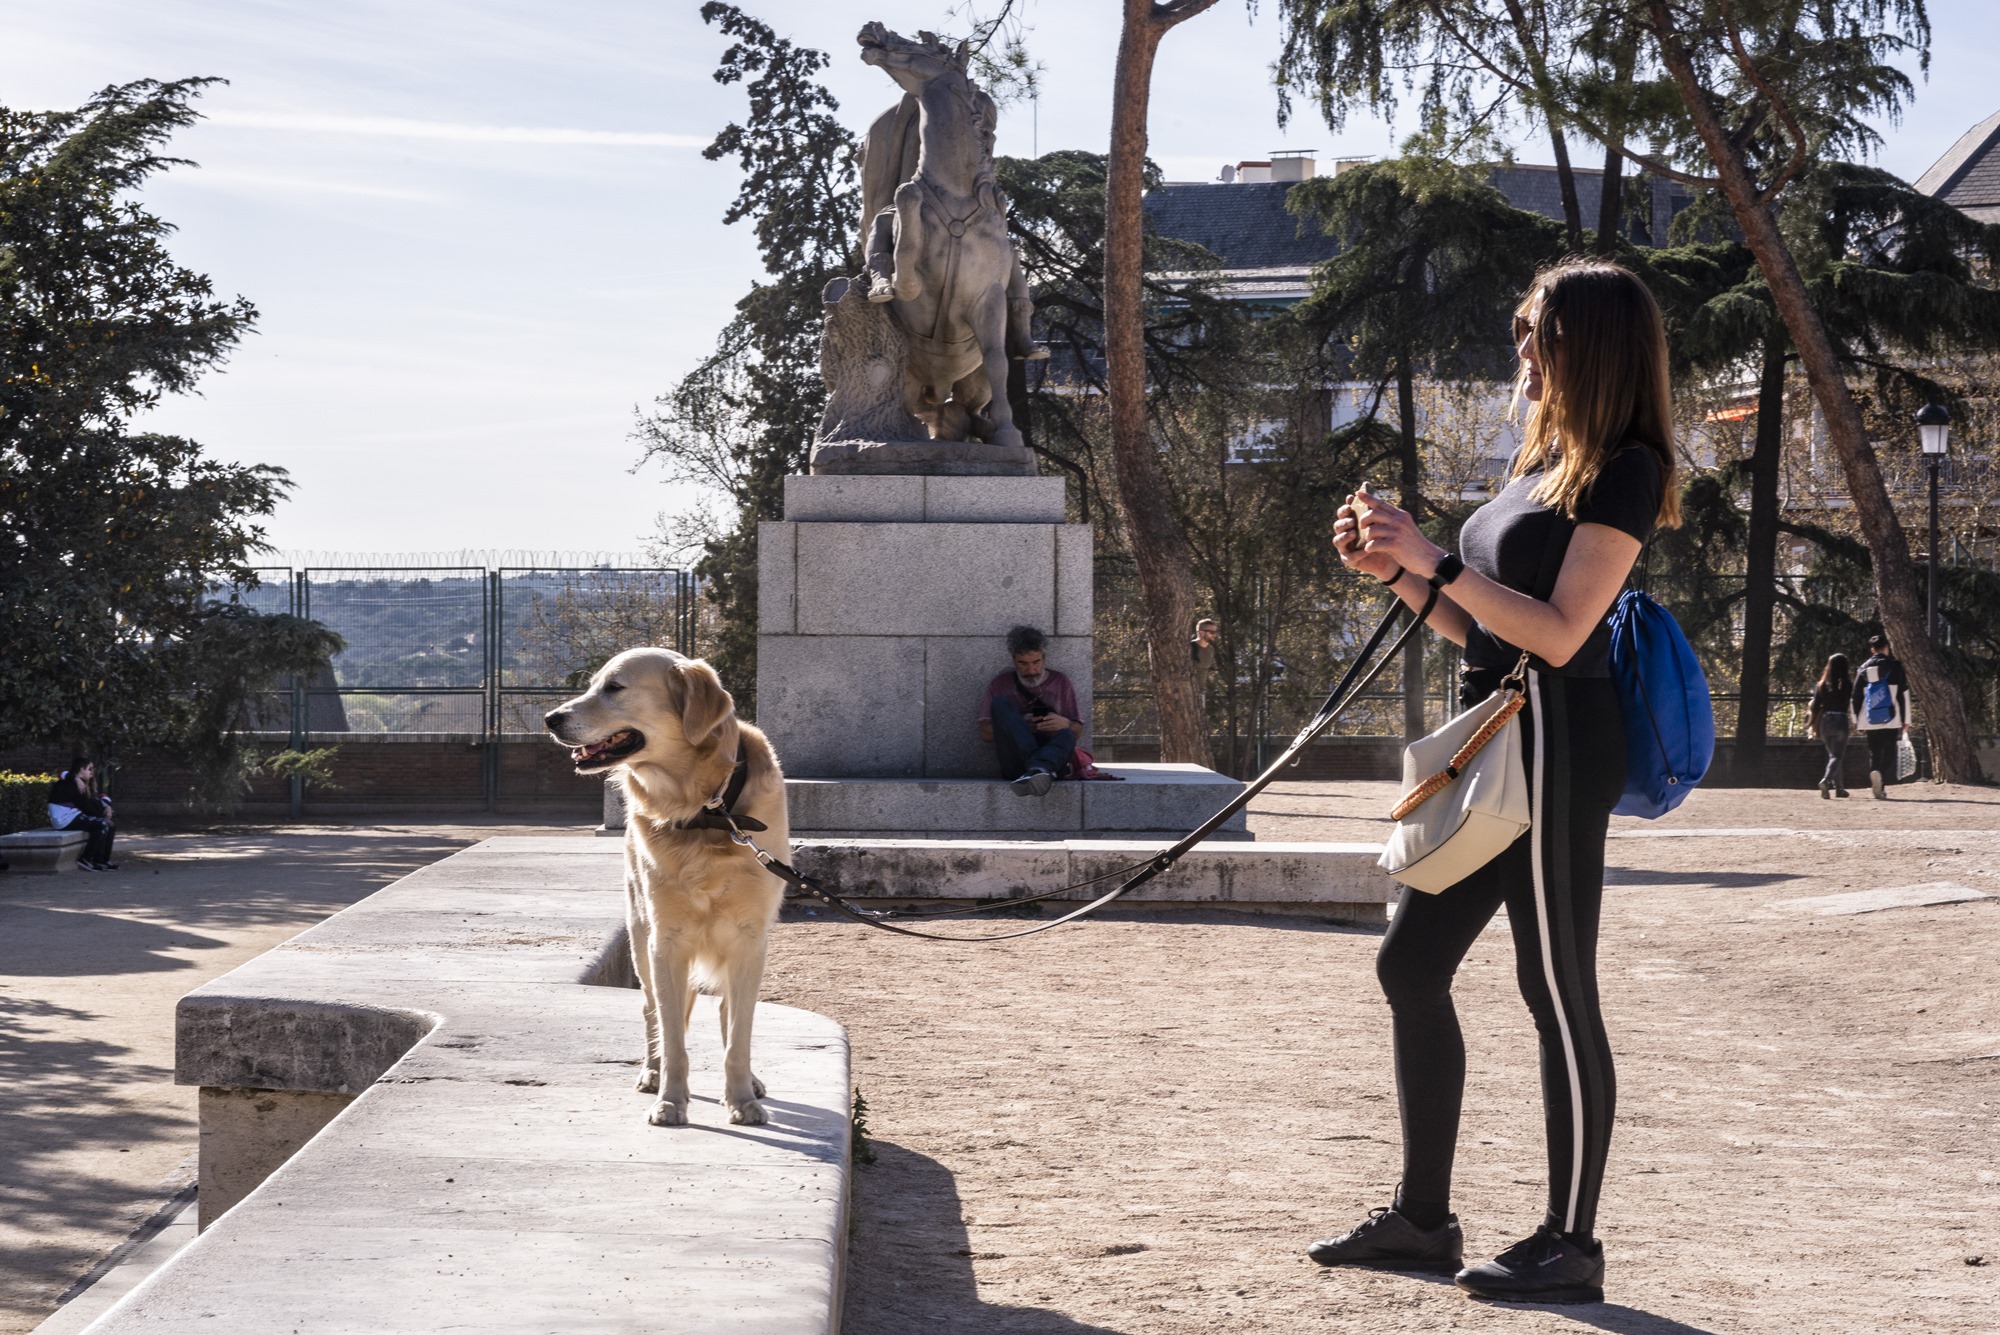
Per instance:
(1387,1241)
(1825,792)
(1543,1268)
(1033,784)
(1875,784)
(1841,792)
(81,865)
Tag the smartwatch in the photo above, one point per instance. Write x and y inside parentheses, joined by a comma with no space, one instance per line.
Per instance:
(1449,569)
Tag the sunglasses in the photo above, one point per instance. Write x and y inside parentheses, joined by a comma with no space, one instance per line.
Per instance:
(1523,327)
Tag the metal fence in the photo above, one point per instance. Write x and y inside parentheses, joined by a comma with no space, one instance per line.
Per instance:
(461,650)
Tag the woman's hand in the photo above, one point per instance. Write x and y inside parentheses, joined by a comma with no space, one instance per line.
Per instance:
(1371,534)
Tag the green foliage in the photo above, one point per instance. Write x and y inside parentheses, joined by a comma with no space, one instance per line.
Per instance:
(859,1145)
(24,801)
(113,539)
(1433,259)
(744,419)
(1194,340)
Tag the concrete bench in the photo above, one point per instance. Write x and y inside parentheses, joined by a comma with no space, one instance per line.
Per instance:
(419,1116)
(43,852)
(1323,880)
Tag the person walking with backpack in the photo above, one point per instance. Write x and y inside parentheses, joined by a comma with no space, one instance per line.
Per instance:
(1882,711)
(1543,562)
(1832,722)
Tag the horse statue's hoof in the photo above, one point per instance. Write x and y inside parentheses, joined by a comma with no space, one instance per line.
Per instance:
(1036,353)
(881,290)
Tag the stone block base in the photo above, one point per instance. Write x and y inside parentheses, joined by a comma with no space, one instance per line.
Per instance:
(1150,797)
(1338,881)
(883,605)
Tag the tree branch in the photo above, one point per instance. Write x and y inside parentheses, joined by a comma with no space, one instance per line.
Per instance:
(1771,98)
(1166,15)
(1589,127)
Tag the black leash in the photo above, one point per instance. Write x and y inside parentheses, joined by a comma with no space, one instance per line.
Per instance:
(1357,679)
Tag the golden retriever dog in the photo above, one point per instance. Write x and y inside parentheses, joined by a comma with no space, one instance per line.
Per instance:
(699,906)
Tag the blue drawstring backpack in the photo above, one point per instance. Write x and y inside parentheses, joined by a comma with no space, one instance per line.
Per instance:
(1663,694)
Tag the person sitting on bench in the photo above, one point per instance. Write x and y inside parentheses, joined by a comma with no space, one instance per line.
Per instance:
(1031,716)
(75,805)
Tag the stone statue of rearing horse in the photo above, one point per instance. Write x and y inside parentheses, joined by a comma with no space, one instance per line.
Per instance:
(934,224)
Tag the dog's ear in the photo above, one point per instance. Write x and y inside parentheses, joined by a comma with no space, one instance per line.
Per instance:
(705,705)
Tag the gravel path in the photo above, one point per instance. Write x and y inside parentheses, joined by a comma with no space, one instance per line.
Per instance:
(1135,1125)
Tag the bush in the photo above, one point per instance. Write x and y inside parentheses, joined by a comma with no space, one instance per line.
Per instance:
(24,801)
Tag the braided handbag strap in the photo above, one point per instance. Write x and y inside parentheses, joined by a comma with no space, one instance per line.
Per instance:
(1438,782)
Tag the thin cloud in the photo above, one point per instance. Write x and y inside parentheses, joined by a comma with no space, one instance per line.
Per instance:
(261,182)
(390,127)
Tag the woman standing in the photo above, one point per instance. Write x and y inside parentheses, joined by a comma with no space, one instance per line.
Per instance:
(1542,563)
(1832,722)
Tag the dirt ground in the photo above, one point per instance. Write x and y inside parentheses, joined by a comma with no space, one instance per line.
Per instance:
(94,1135)
(1137,1125)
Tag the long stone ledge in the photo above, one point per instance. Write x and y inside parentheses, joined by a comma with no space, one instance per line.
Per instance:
(1150,797)
(487,1165)
(1322,879)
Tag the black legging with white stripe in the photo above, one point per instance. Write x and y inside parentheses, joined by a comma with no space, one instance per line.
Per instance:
(1552,882)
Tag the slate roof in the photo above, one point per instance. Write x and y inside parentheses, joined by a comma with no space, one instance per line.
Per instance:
(1246,225)
(1248,228)
(1968,176)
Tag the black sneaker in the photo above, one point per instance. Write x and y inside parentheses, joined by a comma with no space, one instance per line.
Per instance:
(1034,783)
(1544,1268)
(1386,1240)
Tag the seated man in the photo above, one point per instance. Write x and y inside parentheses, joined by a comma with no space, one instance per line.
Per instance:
(1031,716)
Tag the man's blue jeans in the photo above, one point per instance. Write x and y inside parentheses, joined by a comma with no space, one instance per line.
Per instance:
(1020,748)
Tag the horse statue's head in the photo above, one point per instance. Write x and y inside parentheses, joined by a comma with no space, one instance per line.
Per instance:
(956,111)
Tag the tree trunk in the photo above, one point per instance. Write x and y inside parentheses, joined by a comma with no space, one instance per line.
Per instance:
(1957,757)
(1566,182)
(1166,576)
(1611,189)
(1531,51)
(1410,498)
(1753,678)
(1610,204)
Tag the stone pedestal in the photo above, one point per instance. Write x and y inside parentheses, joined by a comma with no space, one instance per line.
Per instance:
(883,608)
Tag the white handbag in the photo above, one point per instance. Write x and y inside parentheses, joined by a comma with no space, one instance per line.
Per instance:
(1906,759)
(1465,793)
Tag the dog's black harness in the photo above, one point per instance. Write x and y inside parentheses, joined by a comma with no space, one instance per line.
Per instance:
(719,812)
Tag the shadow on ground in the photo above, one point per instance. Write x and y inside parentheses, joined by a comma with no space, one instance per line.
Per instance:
(909,1261)
(1721,880)
(93,1132)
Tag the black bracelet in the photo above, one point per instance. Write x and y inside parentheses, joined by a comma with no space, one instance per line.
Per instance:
(1390,582)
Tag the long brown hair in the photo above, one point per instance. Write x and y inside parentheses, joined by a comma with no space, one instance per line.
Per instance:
(1603,354)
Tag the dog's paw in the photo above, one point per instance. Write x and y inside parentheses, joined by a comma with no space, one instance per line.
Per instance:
(757,1086)
(747,1113)
(648,1082)
(672,1114)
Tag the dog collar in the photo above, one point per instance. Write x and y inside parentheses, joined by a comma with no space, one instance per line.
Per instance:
(718,813)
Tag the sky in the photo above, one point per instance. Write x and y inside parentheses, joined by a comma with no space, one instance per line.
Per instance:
(482,238)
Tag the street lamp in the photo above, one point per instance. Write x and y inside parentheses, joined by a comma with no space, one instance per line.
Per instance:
(1934,432)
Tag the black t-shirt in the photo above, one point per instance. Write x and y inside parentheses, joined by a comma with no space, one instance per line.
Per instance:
(1517,541)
